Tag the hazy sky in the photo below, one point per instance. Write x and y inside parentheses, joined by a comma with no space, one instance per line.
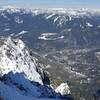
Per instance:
(52,3)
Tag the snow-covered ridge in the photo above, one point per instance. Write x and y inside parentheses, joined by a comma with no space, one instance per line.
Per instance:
(59,16)
(68,11)
(15,57)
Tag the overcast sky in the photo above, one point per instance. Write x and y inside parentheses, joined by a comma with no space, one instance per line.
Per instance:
(52,3)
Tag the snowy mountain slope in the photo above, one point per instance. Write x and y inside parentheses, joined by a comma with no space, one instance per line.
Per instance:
(14,57)
(7,93)
(19,76)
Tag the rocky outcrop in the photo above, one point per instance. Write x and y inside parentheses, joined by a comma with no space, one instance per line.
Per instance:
(21,77)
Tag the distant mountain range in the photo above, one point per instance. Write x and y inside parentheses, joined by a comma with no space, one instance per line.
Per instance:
(71,27)
(66,43)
